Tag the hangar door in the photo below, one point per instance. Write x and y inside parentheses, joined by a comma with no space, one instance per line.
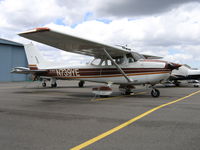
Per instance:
(11,56)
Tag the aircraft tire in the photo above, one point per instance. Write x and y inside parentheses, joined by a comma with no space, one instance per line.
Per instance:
(54,85)
(81,83)
(127,92)
(177,84)
(44,84)
(155,93)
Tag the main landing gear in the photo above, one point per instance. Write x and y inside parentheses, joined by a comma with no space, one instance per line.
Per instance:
(44,84)
(81,83)
(53,82)
(54,85)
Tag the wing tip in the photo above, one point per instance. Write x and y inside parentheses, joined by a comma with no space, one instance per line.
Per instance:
(39,29)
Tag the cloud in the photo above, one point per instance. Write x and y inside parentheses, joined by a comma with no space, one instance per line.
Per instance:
(173,31)
(26,13)
(132,8)
(174,35)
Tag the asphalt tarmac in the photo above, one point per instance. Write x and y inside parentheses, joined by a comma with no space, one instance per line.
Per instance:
(36,118)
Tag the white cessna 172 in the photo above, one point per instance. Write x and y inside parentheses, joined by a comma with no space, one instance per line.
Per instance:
(111,64)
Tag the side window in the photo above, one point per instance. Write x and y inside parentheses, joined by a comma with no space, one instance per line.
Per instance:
(103,63)
(109,63)
(119,60)
(96,62)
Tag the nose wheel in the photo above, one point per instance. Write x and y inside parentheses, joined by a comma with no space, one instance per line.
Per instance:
(155,93)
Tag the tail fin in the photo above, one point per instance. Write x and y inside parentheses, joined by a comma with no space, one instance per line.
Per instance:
(35,59)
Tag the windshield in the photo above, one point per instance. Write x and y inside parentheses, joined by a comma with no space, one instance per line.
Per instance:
(130,58)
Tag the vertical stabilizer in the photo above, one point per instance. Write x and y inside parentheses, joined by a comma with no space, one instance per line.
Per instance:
(34,57)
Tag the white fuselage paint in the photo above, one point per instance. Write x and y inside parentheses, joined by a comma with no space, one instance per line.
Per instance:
(136,78)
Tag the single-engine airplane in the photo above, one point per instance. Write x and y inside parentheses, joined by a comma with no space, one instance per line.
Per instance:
(111,64)
(184,72)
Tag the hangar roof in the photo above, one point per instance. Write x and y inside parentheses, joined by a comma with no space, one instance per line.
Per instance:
(7,42)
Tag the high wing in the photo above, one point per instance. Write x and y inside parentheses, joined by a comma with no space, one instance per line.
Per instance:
(75,44)
(71,43)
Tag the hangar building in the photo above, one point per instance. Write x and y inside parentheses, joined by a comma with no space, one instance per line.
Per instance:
(12,55)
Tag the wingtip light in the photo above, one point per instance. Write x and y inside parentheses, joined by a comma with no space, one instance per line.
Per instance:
(39,29)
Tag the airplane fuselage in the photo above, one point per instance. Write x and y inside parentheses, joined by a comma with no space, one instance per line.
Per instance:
(140,72)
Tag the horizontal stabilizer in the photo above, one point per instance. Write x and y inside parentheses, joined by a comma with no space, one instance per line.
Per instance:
(24,70)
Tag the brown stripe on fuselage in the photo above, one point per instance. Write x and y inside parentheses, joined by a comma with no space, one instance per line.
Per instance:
(105,72)
(110,76)
(115,69)
(112,73)
(33,67)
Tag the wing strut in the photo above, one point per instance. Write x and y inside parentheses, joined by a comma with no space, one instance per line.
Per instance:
(117,66)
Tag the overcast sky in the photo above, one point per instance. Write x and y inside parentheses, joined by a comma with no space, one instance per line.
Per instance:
(168,28)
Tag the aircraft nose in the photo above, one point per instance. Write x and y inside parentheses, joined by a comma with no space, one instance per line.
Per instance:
(172,66)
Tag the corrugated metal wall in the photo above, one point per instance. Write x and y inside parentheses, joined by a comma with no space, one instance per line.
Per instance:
(11,56)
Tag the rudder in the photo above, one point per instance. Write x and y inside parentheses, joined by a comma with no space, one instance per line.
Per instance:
(35,59)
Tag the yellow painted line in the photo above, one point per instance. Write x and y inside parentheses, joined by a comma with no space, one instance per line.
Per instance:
(107,133)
